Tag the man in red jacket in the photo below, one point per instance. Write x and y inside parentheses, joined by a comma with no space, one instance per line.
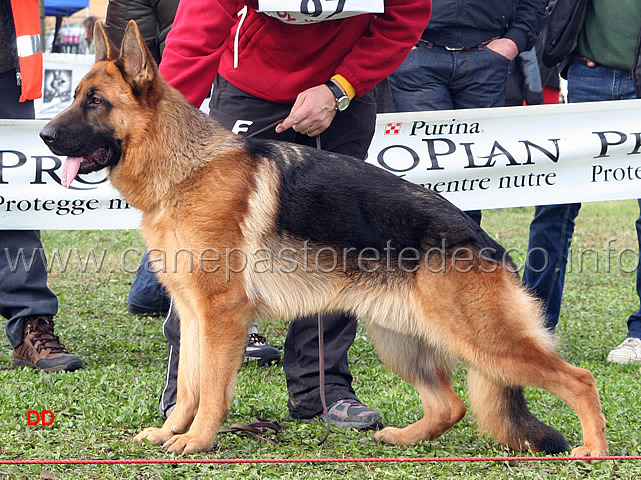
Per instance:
(312,72)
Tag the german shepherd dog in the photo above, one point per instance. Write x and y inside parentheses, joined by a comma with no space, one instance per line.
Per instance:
(311,231)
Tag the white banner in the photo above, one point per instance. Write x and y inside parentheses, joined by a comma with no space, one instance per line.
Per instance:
(517,156)
(478,158)
(31,196)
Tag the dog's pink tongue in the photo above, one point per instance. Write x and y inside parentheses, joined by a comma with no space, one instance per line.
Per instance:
(70,170)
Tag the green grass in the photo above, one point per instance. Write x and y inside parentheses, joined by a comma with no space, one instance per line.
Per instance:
(98,410)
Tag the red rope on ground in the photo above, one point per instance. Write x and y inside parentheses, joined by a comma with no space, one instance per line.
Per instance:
(314,460)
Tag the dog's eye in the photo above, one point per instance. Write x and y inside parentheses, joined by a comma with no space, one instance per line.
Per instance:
(96,101)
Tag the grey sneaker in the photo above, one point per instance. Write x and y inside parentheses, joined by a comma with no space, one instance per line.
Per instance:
(628,352)
(259,351)
(350,413)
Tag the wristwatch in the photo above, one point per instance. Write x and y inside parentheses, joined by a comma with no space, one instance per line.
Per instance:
(342,100)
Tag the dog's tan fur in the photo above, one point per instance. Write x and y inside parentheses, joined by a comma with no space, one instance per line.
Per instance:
(200,189)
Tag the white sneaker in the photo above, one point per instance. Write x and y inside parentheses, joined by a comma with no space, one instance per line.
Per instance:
(629,351)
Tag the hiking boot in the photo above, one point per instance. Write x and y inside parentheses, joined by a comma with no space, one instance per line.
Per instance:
(629,351)
(259,351)
(350,413)
(41,349)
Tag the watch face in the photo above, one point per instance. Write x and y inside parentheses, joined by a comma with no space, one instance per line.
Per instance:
(342,103)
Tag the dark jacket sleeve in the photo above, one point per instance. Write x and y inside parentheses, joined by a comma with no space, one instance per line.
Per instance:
(116,20)
(564,22)
(527,23)
(636,68)
(154,19)
(166,11)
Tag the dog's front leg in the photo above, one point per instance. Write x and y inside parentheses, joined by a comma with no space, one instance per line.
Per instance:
(188,382)
(222,340)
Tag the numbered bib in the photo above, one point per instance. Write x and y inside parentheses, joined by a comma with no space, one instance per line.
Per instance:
(312,11)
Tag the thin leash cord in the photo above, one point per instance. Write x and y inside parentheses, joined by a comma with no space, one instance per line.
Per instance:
(321,377)
(321,341)
(272,125)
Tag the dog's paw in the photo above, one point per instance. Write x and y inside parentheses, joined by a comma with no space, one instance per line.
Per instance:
(393,436)
(585,451)
(187,443)
(157,436)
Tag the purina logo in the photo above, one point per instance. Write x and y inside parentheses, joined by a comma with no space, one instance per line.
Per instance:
(393,128)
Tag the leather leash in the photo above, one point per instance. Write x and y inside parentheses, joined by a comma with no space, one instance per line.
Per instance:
(256,429)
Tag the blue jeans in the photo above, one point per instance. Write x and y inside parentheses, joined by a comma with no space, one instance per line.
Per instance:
(146,291)
(434,78)
(552,227)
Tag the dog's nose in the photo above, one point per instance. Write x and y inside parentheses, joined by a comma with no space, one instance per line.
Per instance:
(49,134)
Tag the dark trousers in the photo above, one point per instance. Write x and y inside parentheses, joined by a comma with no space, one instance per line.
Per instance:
(350,133)
(23,281)
(23,276)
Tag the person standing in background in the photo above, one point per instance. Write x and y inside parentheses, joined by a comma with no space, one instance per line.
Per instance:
(86,46)
(462,58)
(25,299)
(602,62)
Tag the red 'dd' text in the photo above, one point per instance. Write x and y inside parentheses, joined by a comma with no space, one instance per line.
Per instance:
(45,417)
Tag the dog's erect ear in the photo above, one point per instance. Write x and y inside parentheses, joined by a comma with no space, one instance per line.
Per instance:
(136,57)
(105,50)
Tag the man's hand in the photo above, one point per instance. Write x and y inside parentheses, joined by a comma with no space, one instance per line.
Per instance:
(588,62)
(504,47)
(313,111)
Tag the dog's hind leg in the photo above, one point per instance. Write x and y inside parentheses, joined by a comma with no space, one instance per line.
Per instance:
(498,332)
(502,411)
(513,424)
(418,363)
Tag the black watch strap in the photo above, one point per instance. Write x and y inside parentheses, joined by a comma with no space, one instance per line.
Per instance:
(342,100)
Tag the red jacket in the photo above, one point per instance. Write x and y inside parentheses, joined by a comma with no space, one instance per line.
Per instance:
(276,60)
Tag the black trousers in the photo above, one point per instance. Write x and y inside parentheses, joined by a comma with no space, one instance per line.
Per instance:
(350,133)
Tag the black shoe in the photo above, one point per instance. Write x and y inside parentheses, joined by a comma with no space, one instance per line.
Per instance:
(259,351)
(145,312)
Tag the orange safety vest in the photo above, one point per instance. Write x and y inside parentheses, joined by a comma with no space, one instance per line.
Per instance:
(26,18)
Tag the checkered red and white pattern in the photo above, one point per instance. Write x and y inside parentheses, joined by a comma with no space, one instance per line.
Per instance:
(393,128)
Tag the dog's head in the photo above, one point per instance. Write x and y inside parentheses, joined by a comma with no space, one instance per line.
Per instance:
(111,105)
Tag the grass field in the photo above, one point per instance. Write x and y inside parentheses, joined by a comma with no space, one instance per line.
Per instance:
(98,410)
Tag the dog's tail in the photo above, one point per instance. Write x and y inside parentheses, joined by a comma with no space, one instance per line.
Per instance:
(502,412)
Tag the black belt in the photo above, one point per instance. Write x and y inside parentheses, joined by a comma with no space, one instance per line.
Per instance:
(456,49)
